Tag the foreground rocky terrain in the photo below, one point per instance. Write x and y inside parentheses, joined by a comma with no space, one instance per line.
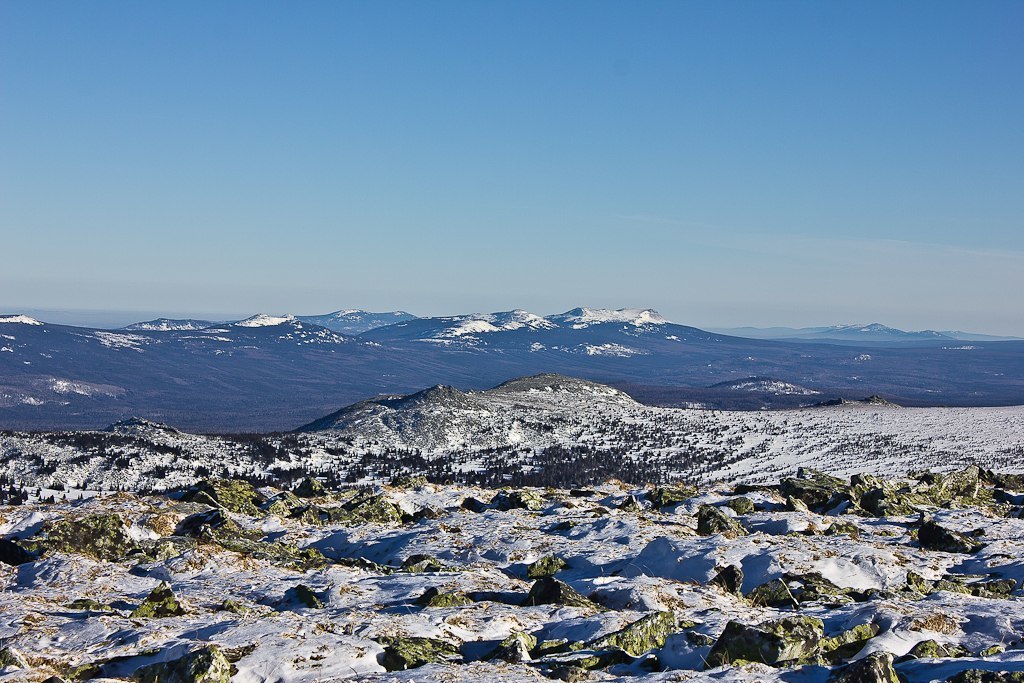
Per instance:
(810,578)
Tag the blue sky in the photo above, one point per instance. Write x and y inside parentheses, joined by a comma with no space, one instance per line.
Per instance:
(728,163)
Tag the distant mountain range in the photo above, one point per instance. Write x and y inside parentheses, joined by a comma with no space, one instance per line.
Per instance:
(873,332)
(271,372)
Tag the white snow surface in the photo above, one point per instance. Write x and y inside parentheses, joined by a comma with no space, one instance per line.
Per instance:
(264,320)
(18,320)
(585,317)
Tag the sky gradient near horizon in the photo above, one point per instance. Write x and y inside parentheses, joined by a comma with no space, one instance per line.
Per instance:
(727,163)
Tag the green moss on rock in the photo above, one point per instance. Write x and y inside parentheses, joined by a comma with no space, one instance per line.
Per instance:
(161,602)
(549,565)
(783,642)
(647,633)
(401,653)
(206,665)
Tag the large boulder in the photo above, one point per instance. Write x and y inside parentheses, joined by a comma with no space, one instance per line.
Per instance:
(234,495)
(206,665)
(712,520)
(101,536)
(523,499)
(647,633)
(875,668)
(783,642)
(815,489)
(932,536)
(401,653)
(667,496)
(551,591)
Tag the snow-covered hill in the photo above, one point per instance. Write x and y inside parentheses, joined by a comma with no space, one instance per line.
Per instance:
(354,321)
(532,429)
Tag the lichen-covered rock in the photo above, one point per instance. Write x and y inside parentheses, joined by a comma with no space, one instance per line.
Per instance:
(812,487)
(875,668)
(848,643)
(647,633)
(711,520)
(933,649)
(516,648)
(101,536)
(774,593)
(523,499)
(884,501)
(418,563)
(89,605)
(549,565)
(401,653)
(813,587)
(551,591)
(987,676)
(667,496)
(843,527)
(304,596)
(783,642)
(433,597)
(408,481)
(741,505)
(472,504)
(310,487)
(234,495)
(161,602)
(206,665)
(9,657)
(932,536)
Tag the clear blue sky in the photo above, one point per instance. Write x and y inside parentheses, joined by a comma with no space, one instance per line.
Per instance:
(728,163)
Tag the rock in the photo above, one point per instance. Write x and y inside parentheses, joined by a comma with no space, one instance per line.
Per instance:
(408,481)
(729,579)
(774,593)
(796,505)
(551,591)
(570,674)
(367,506)
(401,653)
(233,606)
(933,649)
(523,499)
(310,488)
(848,643)
(206,665)
(932,536)
(516,648)
(813,488)
(303,595)
(843,527)
(161,602)
(741,505)
(875,668)
(473,504)
(9,657)
(813,587)
(631,504)
(783,642)
(89,605)
(12,553)
(234,495)
(667,496)
(986,676)
(645,634)
(946,488)
(711,520)
(883,501)
(918,583)
(433,597)
(549,565)
(423,563)
(100,536)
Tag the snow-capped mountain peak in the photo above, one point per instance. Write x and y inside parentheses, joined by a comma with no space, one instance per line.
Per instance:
(505,321)
(579,318)
(264,320)
(18,320)
(170,325)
